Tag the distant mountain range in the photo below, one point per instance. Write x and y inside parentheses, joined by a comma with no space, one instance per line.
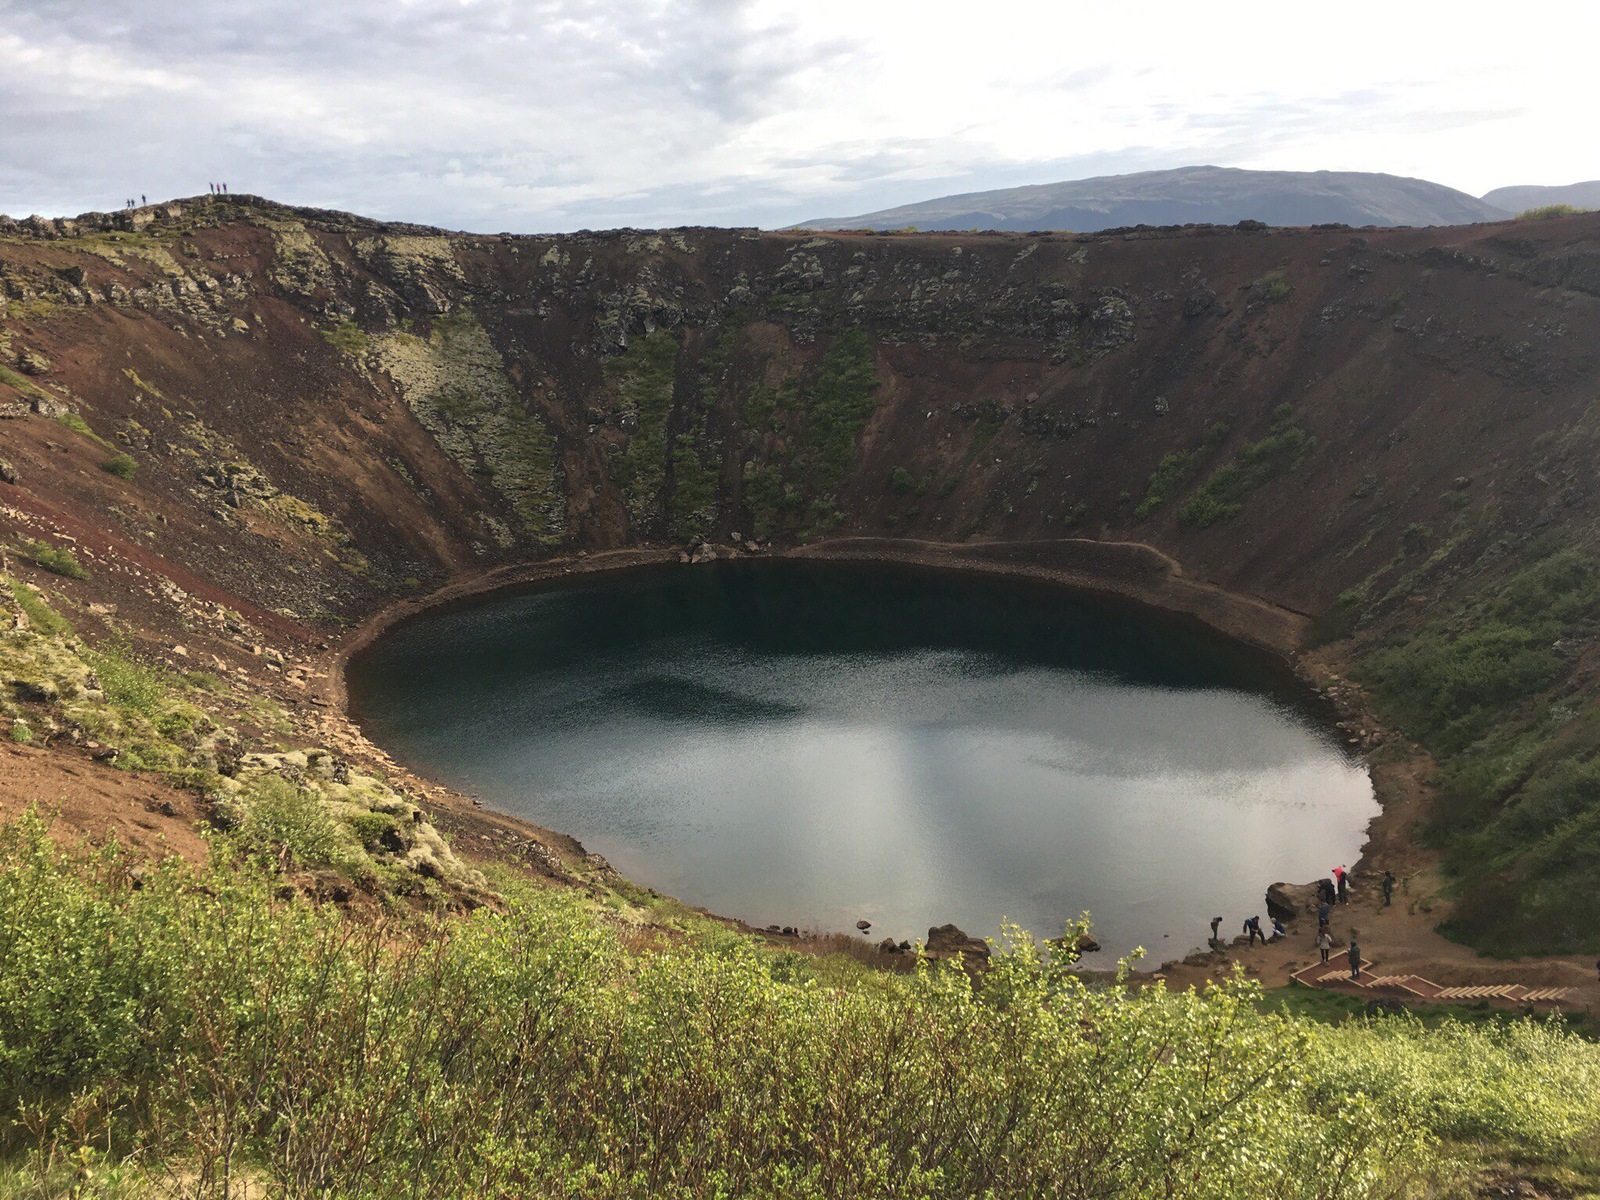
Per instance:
(1218,195)
(1520,199)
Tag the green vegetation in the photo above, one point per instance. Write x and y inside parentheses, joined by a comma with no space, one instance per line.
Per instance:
(1486,688)
(1174,471)
(347,336)
(642,378)
(1221,498)
(816,428)
(903,483)
(1271,288)
(78,425)
(202,1025)
(456,383)
(123,466)
(1546,212)
(57,561)
(42,619)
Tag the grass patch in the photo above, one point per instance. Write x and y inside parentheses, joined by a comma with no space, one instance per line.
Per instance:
(1174,471)
(347,336)
(123,466)
(1548,211)
(42,619)
(57,561)
(1486,687)
(1222,497)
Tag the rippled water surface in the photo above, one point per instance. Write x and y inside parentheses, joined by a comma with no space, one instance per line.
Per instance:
(811,744)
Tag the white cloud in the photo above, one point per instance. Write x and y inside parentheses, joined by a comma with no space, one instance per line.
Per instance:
(508,114)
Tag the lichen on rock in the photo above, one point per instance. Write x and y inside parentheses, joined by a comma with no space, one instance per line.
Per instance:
(455,382)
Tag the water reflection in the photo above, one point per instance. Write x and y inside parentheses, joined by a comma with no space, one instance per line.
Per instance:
(812,744)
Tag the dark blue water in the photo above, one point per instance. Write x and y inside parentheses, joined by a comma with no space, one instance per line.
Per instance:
(810,744)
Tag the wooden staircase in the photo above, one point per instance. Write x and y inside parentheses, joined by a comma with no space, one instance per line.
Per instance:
(1335,973)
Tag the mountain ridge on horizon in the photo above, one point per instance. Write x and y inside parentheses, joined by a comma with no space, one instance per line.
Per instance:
(1189,195)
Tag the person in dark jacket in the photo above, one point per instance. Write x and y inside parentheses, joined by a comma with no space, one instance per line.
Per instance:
(1388,887)
(1216,923)
(1355,959)
(1341,878)
(1253,928)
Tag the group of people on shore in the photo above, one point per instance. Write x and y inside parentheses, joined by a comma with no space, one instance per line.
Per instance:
(1334,889)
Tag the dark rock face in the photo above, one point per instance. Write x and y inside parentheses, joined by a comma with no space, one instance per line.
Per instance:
(1290,901)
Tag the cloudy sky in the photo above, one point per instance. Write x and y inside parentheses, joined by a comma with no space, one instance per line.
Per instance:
(539,115)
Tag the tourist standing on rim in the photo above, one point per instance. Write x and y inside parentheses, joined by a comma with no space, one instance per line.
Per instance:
(1340,877)
(1324,944)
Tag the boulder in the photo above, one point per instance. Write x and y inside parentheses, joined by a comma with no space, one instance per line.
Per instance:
(33,362)
(949,941)
(8,473)
(1290,901)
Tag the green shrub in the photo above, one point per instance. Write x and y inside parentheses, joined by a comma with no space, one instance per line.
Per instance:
(224,1032)
(1272,287)
(122,466)
(127,682)
(21,731)
(1176,470)
(1221,497)
(56,561)
(347,336)
(288,824)
(902,482)
(42,618)
(1546,212)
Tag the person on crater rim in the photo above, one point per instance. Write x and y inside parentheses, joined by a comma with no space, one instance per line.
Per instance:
(1252,927)
(1355,959)
(1388,888)
(1216,923)
(1324,944)
(1341,877)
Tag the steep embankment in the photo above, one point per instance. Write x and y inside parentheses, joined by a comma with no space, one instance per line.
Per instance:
(255,427)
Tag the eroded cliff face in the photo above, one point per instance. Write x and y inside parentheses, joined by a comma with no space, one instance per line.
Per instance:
(321,414)
(379,407)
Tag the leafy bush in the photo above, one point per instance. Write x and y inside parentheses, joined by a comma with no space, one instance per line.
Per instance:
(21,732)
(57,562)
(127,682)
(288,825)
(225,1032)
(122,466)
(902,482)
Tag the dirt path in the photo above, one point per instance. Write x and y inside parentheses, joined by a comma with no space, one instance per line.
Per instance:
(85,800)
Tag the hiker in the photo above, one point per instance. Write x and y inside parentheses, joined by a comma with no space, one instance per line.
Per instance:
(1355,960)
(143,200)
(1324,944)
(1324,911)
(1216,923)
(1340,877)
(1278,931)
(1388,887)
(1253,928)
(1325,890)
